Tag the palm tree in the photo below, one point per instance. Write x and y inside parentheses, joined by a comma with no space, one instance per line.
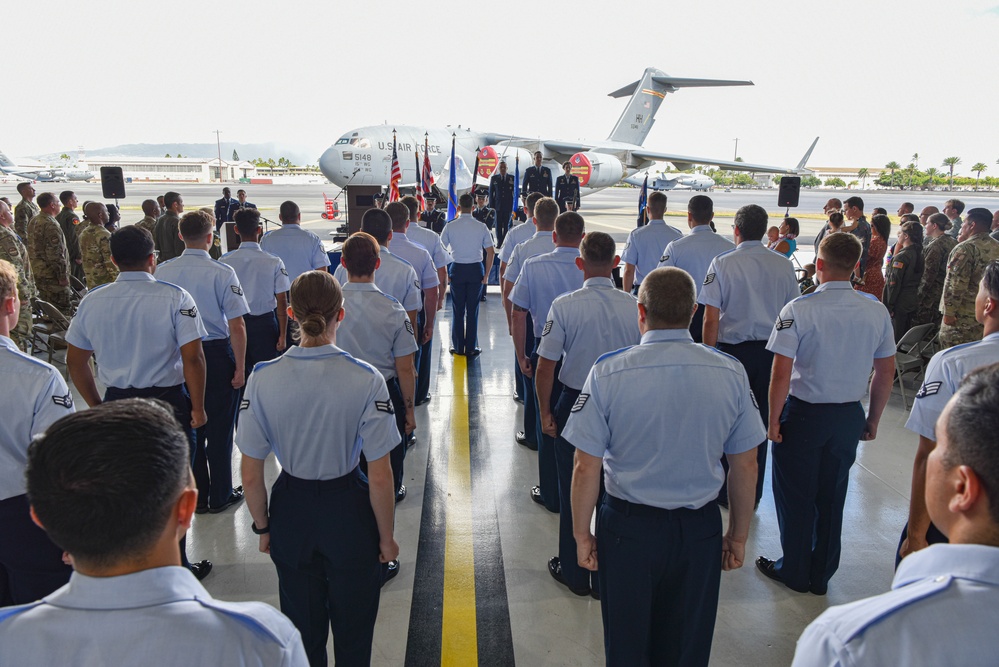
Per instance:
(893,166)
(951,162)
(978,168)
(862,175)
(932,173)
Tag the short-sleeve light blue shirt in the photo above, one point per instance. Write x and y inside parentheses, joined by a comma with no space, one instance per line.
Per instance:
(431,242)
(645,246)
(136,327)
(749,285)
(161,616)
(261,275)
(693,253)
(466,238)
(660,415)
(587,323)
(394,276)
(538,244)
(35,395)
(317,409)
(214,286)
(943,376)
(542,279)
(298,248)
(418,258)
(515,237)
(375,328)
(833,335)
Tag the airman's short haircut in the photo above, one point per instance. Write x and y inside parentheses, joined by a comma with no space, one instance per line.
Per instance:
(657,205)
(840,252)
(537,153)
(466,200)
(854,201)
(751,221)
(980,217)
(597,249)
(289,212)
(247,223)
(170,198)
(65,196)
(377,222)
(701,209)
(46,199)
(412,205)
(569,227)
(669,297)
(545,212)
(8,279)
(990,279)
(131,246)
(532,201)
(148,206)
(567,165)
(360,254)
(971,431)
(956,204)
(22,187)
(907,217)
(195,226)
(399,213)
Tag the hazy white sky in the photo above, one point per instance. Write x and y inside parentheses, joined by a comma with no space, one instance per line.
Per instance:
(878,80)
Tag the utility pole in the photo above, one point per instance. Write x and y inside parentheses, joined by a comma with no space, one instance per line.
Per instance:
(736,156)
(218,144)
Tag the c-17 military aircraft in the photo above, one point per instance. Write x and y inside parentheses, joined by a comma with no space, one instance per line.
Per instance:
(364,156)
(45,174)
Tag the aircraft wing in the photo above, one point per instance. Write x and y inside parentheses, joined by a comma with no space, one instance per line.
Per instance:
(683,162)
(567,148)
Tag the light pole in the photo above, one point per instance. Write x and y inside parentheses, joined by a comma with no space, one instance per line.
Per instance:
(218,144)
(736,156)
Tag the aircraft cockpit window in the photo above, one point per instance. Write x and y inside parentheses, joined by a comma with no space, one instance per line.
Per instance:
(344,140)
(363,143)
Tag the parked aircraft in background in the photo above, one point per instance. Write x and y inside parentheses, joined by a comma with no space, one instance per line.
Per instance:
(47,174)
(663,181)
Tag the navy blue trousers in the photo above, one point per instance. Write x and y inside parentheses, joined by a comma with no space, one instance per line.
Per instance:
(424,357)
(659,576)
(324,544)
(526,386)
(697,324)
(758,362)
(547,471)
(398,454)
(810,480)
(31,565)
(213,444)
(261,339)
(466,287)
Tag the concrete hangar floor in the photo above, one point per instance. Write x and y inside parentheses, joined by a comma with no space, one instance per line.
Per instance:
(473,586)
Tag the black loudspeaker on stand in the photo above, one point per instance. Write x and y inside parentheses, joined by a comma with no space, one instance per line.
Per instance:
(790,188)
(112,183)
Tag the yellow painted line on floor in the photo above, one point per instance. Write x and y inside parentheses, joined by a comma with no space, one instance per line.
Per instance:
(459,643)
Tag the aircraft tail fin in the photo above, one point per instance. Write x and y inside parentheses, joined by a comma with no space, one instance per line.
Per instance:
(800,169)
(647,94)
(5,161)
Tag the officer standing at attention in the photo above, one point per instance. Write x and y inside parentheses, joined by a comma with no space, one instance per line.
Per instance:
(327,528)
(575,336)
(150,212)
(433,218)
(468,241)
(48,255)
(743,293)
(483,213)
(647,244)
(31,566)
(95,247)
(418,257)
(376,329)
(224,208)
(824,346)
(542,279)
(567,189)
(537,178)
(902,279)
(217,293)
(241,203)
(12,250)
(430,242)
(694,252)
(167,231)
(968,259)
(112,486)
(69,223)
(943,376)
(663,471)
(147,335)
(265,285)
(25,210)
(937,612)
(501,199)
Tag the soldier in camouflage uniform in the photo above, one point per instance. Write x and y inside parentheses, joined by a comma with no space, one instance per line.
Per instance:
(166,235)
(936,252)
(48,255)
(151,211)
(69,221)
(25,210)
(964,271)
(13,251)
(95,245)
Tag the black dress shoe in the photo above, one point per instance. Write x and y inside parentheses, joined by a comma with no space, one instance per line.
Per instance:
(201,509)
(474,352)
(234,497)
(389,571)
(555,569)
(200,569)
(769,569)
(451,350)
(518,399)
(400,494)
(425,400)
(411,440)
(536,495)
(522,440)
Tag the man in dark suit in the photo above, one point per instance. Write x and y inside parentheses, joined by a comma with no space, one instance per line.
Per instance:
(433,218)
(242,203)
(501,195)
(567,189)
(225,208)
(537,178)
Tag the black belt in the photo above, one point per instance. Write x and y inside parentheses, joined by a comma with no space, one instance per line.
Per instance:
(215,342)
(259,317)
(636,509)
(748,343)
(795,399)
(335,484)
(146,392)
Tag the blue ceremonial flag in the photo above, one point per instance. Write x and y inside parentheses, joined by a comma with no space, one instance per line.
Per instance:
(516,187)
(643,199)
(452,189)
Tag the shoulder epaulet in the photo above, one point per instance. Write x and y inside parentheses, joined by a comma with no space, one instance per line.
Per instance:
(10,612)
(363,364)
(607,355)
(874,609)
(258,615)
(390,298)
(168,284)
(727,252)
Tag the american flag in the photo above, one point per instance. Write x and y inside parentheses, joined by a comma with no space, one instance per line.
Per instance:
(427,184)
(396,176)
(419,190)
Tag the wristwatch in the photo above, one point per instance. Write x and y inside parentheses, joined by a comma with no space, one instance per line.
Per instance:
(259,531)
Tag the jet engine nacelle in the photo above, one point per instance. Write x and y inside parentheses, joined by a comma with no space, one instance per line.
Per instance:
(596,170)
(490,157)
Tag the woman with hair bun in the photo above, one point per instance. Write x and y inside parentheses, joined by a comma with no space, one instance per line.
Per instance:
(328,528)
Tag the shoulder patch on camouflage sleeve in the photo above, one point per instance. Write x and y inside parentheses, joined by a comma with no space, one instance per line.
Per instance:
(190,312)
(65,401)
(780,324)
(929,389)
(580,402)
(708,279)
(385,406)
(548,328)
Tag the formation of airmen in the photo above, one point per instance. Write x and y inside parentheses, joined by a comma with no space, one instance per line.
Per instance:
(652,405)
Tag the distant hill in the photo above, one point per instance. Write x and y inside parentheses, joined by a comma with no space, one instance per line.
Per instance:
(297,155)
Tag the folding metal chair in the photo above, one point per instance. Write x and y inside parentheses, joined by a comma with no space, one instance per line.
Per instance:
(909,354)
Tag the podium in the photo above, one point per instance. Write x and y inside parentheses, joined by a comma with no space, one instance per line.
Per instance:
(360,198)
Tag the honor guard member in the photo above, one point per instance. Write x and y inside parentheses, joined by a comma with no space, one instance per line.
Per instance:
(69,222)
(646,245)
(25,210)
(743,293)
(538,244)
(902,279)
(396,277)
(936,251)
(575,336)
(166,234)
(468,241)
(150,212)
(537,178)
(501,199)
(217,293)
(483,213)
(147,335)
(241,202)
(937,612)
(542,279)
(95,247)
(964,271)
(112,486)
(265,286)
(376,329)
(824,346)
(694,252)
(327,528)
(659,542)
(944,374)
(225,208)
(49,257)
(31,566)
(433,218)
(430,242)
(567,188)
(12,250)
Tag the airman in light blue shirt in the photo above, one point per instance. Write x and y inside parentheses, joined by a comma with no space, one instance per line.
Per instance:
(543,279)
(517,235)
(375,328)
(645,245)
(693,253)
(261,275)
(466,238)
(213,285)
(299,249)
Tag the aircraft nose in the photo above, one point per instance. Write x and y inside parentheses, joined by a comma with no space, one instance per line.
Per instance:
(329,164)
